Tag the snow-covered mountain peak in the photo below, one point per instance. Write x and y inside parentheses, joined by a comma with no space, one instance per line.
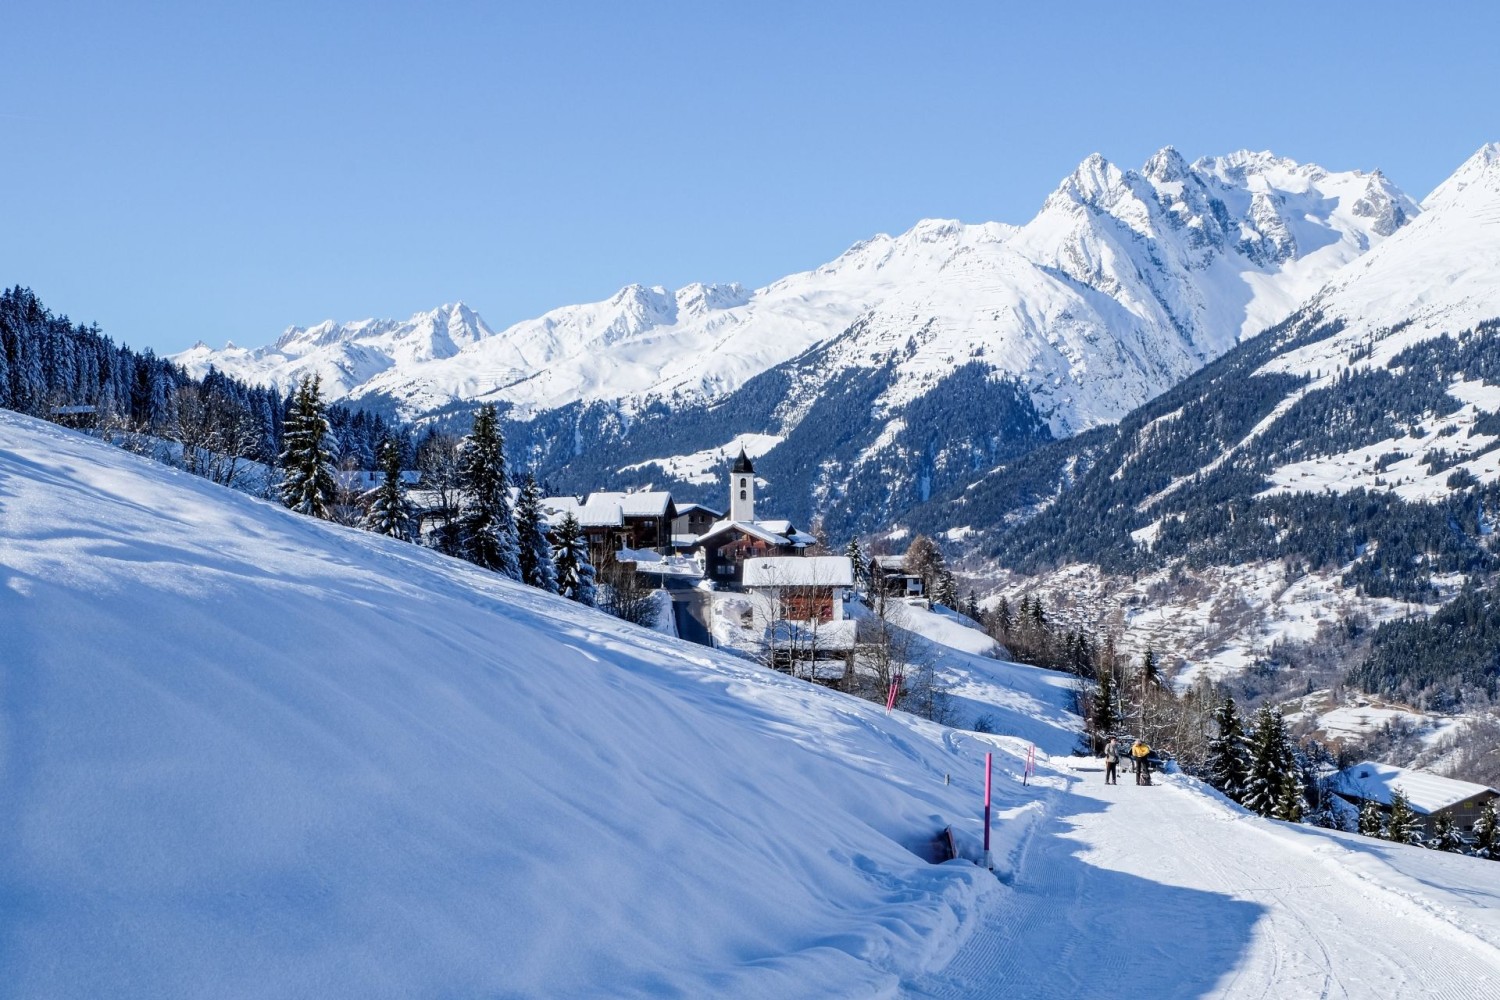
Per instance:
(1165,166)
(1483,168)
(1439,274)
(1126,278)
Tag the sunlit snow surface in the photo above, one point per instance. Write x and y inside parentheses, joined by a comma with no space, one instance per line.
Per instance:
(246,754)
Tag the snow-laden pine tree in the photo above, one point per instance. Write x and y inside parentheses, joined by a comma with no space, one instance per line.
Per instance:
(1487,833)
(1371,820)
(575,573)
(971,607)
(1290,801)
(1228,754)
(1445,835)
(1403,826)
(947,590)
(1271,756)
(307,482)
(390,512)
(856,558)
(535,555)
(486,525)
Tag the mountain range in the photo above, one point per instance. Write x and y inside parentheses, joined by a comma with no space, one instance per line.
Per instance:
(1340,470)
(1124,282)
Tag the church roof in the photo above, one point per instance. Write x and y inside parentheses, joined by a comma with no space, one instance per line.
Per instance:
(742,464)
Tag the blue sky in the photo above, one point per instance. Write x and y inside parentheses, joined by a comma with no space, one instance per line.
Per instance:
(177,171)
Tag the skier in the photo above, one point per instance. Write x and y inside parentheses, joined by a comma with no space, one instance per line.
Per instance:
(1138,752)
(1111,761)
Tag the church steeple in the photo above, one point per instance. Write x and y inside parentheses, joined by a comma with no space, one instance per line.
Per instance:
(742,488)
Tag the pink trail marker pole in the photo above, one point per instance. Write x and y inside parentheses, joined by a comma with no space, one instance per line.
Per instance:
(1030,765)
(988,771)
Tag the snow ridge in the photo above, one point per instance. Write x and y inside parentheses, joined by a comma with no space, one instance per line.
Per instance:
(1125,282)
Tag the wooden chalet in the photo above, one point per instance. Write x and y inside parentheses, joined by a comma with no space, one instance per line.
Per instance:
(801,600)
(727,544)
(693,521)
(1430,795)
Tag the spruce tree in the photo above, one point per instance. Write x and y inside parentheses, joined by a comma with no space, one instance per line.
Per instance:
(307,482)
(575,573)
(1445,835)
(1403,827)
(856,562)
(1487,833)
(1103,715)
(390,511)
(1004,620)
(535,556)
(1290,803)
(1371,820)
(1228,754)
(486,526)
(947,590)
(971,607)
(1269,760)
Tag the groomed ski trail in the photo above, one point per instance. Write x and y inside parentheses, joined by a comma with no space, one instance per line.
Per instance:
(1164,892)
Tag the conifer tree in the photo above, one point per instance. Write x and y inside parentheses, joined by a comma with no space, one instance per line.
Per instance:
(1103,715)
(1487,833)
(856,558)
(971,607)
(390,511)
(1228,754)
(307,483)
(947,590)
(1004,620)
(486,526)
(575,573)
(535,556)
(1290,803)
(1371,820)
(1270,758)
(1403,826)
(1445,835)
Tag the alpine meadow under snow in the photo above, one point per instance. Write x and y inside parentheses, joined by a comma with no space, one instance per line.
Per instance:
(247,753)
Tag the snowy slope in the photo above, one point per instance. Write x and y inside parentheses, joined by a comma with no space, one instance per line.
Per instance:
(249,754)
(1441,275)
(1125,282)
(1172,892)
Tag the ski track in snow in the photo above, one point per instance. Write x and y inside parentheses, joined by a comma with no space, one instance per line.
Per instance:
(1161,893)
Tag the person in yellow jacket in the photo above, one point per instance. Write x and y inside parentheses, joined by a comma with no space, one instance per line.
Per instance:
(1139,751)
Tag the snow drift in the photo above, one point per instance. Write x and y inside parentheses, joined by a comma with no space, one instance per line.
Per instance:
(244,753)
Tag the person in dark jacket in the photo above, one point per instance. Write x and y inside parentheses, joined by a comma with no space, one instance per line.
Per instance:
(1111,761)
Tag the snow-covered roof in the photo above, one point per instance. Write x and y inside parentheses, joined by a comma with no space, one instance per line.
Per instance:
(1427,793)
(799,571)
(772,532)
(600,513)
(893,564)
(554,509)
(688,508)
(644,504)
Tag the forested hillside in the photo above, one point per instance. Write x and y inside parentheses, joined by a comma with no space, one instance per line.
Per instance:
(54,368)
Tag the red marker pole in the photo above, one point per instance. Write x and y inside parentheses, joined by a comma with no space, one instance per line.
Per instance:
(988,766)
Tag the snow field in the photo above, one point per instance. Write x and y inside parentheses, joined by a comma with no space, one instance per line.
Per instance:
(244,753)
